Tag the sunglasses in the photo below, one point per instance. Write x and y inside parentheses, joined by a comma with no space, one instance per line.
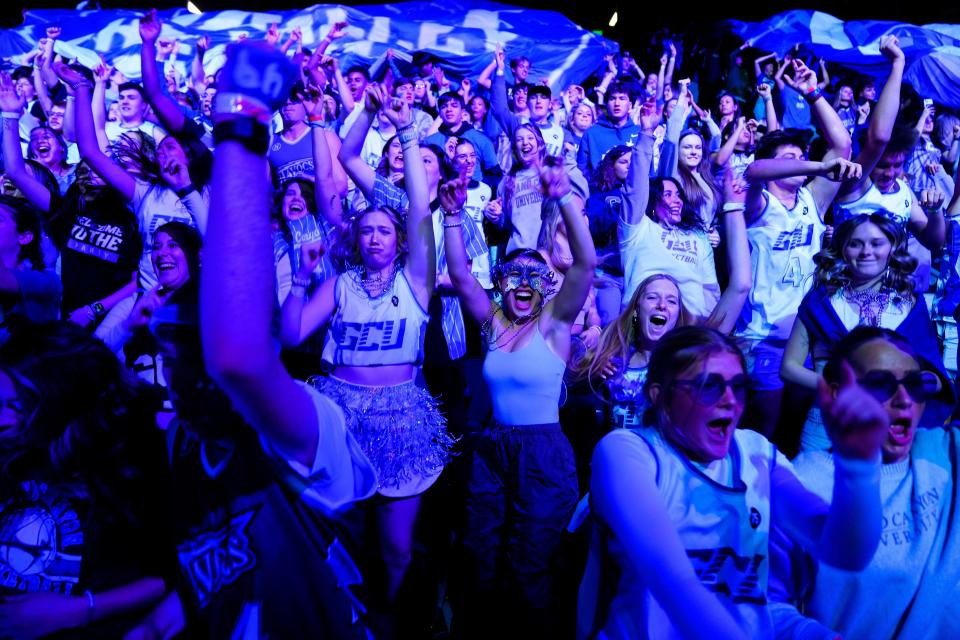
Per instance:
(883,385)
(711,387)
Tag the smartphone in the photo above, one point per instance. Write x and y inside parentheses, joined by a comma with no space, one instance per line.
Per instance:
(927,103)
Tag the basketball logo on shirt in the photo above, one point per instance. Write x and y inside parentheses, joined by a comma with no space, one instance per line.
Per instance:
(802,236)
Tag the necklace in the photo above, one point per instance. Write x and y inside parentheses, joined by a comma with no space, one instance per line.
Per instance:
(497,342)
(376,287)
(871,302)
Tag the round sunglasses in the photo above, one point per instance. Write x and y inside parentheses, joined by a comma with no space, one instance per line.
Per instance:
(710,387)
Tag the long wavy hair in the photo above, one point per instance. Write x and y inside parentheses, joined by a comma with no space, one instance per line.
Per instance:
(136,152)
(678,351)
(606,174)
(199,158)
(345,252)
(620,337)
(696,195)
(86,420)
(689,219)
(510,180)
(833,272)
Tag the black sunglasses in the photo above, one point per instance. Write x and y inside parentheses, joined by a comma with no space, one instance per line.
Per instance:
(883,385)
(711,387)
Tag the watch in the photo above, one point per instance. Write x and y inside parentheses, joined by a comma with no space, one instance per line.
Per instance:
(249,132)
(98,309)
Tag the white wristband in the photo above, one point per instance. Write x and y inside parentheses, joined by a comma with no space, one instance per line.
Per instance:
(10,115)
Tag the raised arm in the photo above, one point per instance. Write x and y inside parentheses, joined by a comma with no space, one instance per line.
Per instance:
(670,152)
(98,104)
(568,302)
(839,144)
(722,156)
(237,280)
(757,67)
(725,314)
(197,73)
(421,264)
(883,120)
(166,109)
(766,94)
(112,173)
(358,170)
(498,98)
(671,63)
(328,192)
(845,533)
(473,297)
(12,106)
(636,189)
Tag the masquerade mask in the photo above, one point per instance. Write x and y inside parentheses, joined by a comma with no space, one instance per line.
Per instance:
(537,276)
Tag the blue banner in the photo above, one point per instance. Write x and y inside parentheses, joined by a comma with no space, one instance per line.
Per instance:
(461,34)
(933,51)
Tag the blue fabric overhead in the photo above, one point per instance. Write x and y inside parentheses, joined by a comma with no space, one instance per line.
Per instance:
(933,51)
(461,34)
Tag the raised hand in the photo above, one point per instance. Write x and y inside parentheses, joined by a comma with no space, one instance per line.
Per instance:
(312,101)
(397,111)
(453,193)
(839,169)
(764,91)
(54,32)
(499,56)
(146,306)
(338,30)
(554,180)
(203,44)
(310,255)
(69,76)
(150,26)
(101,75)
(663,60)
(856,423)
(804,76)
(165,48)
(890,48)
(273,34)
(10,100)
(649,118)
(931,199)
(450,146)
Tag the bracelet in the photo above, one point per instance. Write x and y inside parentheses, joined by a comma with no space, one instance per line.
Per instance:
(91,607)
(81,83)
(450,213)
(407,135)
(315,125)
(300,282)
(298,291)
(565,198)
(453,224)
(182,193)
(813,95)
(596,326)
(315,118)
(10,115)
(248,131)
(733,206)
(71,97)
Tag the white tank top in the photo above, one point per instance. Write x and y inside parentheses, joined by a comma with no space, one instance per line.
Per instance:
(369,332)
(897,204)
(782,245)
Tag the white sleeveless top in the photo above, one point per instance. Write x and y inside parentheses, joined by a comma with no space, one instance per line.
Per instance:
(369,332)
(782,245)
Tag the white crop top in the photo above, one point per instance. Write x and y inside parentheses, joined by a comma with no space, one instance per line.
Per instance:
(370,332)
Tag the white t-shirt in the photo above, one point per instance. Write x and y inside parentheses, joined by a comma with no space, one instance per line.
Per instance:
(155,206)
(646,248)
(114,130)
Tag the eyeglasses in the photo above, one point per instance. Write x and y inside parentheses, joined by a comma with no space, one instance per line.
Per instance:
(883,385)
(711,387)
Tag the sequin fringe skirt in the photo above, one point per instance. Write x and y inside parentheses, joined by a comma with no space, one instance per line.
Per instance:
(398,427)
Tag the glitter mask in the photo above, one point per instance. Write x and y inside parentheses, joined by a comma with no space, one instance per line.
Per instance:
(537,276)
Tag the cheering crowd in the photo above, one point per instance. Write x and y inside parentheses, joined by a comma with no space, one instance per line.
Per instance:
(296,351)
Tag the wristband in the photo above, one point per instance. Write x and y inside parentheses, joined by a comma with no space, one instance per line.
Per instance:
(182,193)
(81,83)
(565,198)
(249,132)
(315,125)
(813,95)
(10,115)
(315,118)
(450,213)
(240,105)
(733,206)
(300,282)
(298,291)
(407,135)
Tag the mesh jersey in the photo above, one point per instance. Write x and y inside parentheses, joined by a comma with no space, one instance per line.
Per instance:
(782,245)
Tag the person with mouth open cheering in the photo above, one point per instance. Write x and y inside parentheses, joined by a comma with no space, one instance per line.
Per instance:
(683,509)
(909,588)
(523,483)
